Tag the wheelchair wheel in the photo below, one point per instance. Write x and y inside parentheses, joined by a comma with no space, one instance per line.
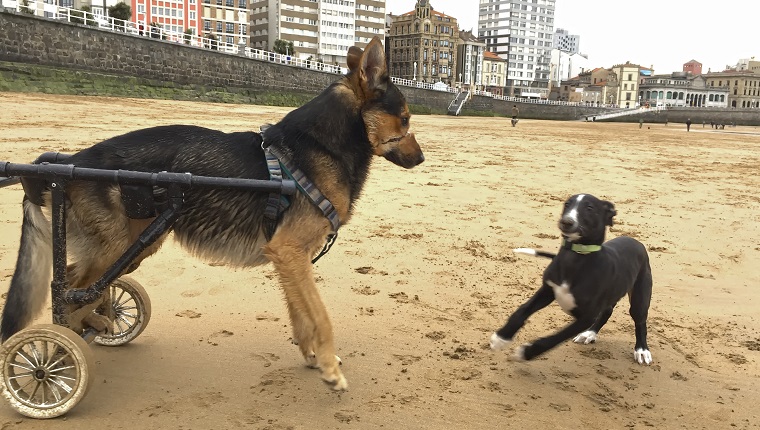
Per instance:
(45,370)
(127,306)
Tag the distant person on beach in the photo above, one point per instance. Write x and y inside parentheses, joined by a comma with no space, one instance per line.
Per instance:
(641,122)
(515,113)
(688,124)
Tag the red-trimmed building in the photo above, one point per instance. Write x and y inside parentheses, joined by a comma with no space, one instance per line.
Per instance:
(171,16)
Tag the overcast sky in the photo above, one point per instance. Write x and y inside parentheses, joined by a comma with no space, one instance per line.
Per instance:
(663,33)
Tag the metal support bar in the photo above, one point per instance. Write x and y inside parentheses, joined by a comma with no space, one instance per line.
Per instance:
(59,285)
(159,226)
(162,179)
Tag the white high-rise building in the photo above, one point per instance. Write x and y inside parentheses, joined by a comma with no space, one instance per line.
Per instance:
(521,32)
(321,29)
(566,42)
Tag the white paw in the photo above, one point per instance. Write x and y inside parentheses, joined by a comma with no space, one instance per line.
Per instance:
(311,361)
(642,356)
(588,336)
(519,354)
(498,343)
(338,383)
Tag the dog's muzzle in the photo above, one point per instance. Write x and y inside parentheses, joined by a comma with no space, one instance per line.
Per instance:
(569,227)
(406,153)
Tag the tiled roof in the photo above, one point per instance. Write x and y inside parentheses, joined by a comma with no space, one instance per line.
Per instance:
(488,55)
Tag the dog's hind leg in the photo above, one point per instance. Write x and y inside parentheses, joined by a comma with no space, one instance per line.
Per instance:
(538,347)
(311,325)
(98,233)
(590,335)
(541,299)
(640,298)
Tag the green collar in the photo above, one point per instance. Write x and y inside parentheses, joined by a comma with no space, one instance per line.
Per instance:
(580,249)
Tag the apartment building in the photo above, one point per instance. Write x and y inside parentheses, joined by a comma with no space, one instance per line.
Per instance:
(566,42)
(320,29)
(226,20)
(522,32)
(176,16)
(469,69)
(423,45)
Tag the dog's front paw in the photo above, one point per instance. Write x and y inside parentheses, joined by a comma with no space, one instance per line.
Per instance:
(588,336)
(335,379)
(643,356)
(498,343)
(519,354)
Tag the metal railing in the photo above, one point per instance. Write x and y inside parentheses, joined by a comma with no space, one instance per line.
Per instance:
(157,32)
(440,86)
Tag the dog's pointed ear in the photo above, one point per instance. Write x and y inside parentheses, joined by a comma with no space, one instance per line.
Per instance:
(354,58)
(609,212)
(373,72)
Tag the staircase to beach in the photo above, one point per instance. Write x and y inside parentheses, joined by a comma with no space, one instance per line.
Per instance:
(455,107)
(624,112)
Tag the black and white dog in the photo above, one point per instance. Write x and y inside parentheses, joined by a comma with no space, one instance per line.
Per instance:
(587,277)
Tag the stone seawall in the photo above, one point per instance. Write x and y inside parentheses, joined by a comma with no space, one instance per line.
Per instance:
(725,116)
(28,39)
(53,56)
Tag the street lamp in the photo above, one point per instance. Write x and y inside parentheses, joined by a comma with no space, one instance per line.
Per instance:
(415,71)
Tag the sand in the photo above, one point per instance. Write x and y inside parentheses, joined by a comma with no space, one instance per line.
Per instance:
(424,273)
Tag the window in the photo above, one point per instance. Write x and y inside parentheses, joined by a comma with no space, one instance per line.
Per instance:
(229,27)
(229,3)
(219,26)
(206,25)
(242,4)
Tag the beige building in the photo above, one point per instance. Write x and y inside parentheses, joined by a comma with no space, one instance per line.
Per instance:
(494,73)
(226,20)
(423,45)
(743,86)
(627,84)
(321,30)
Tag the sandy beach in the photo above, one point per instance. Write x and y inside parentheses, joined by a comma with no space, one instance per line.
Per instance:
(425,272)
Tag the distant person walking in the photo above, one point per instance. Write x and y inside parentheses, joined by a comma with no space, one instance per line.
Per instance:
(515,113)
(688,124)
(641,122)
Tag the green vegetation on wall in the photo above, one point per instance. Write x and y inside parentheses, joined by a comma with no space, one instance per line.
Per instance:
(18,77)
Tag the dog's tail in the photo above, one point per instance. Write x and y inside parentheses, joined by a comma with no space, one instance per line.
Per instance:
(533,252)
(31,280)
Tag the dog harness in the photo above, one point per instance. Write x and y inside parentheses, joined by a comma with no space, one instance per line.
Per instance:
(280,163)
(580,249)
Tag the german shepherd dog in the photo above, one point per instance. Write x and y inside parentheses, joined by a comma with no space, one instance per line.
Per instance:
(332,139)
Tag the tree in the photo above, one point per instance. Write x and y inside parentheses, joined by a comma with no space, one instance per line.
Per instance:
(120,11)
(283,47)
(189,33)
(83,16)
(25,8)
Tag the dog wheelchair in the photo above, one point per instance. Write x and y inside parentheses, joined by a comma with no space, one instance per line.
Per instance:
(45,370)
